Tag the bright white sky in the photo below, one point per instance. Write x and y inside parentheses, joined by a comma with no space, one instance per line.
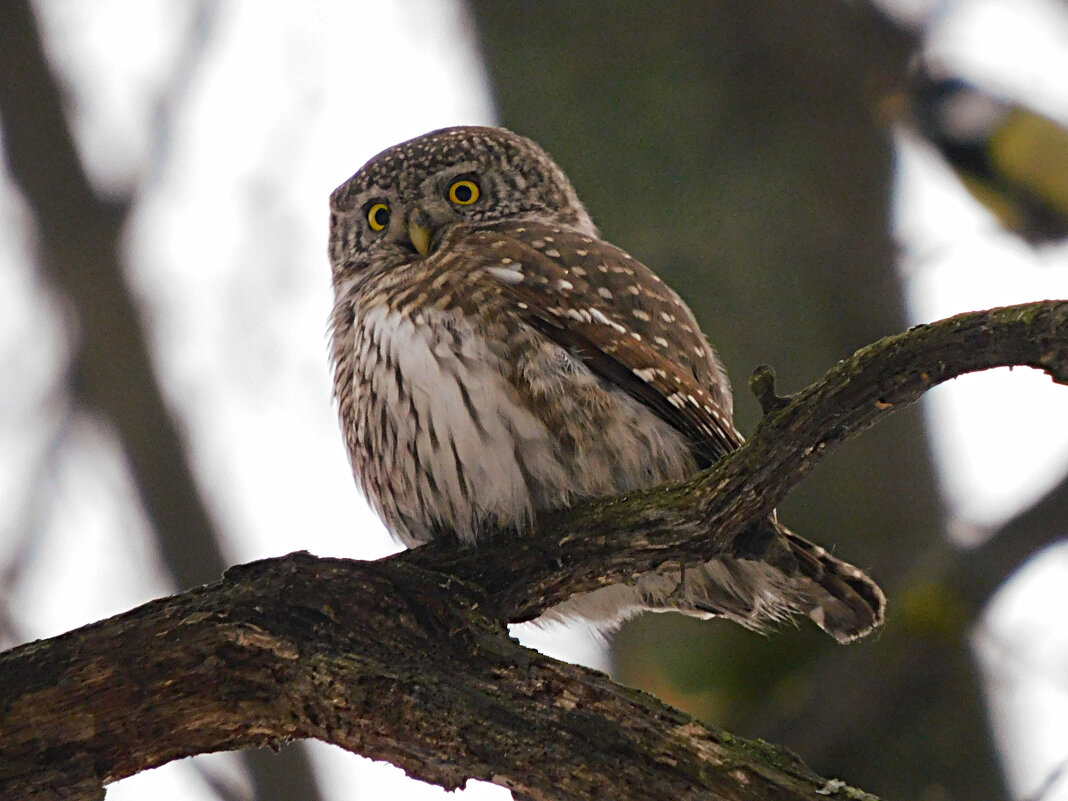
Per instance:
(1000,437)
(228,255)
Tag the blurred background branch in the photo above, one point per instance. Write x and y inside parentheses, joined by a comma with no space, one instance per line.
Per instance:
(80,236)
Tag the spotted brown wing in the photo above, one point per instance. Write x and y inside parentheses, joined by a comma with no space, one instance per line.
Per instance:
(632,330)
(620,319)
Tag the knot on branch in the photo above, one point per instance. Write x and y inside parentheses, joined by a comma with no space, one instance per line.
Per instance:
(762,385)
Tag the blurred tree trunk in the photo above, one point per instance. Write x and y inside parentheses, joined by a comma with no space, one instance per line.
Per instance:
(81,244)
(737,149)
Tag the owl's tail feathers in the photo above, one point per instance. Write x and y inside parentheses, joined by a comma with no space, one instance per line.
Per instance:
(845,602)
(772,575)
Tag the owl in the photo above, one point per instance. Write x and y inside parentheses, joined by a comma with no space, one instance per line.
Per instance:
(495,359)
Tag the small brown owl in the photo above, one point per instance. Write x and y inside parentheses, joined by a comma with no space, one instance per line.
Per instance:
(494,358)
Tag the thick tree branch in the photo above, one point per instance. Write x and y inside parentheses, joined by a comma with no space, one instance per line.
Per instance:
(406,659)
(382,658)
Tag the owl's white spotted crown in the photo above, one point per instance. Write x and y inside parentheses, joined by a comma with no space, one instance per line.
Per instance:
(405,165)
(494,359)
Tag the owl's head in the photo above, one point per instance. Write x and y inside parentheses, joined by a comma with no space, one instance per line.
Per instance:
(405,200)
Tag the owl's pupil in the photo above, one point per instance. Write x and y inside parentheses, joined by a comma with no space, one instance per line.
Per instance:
(381,216)
(463,193)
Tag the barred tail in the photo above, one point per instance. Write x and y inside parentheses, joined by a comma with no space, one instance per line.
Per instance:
(845,603)
(772,575)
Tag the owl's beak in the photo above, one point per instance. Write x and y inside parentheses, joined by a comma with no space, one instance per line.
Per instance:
(420,237)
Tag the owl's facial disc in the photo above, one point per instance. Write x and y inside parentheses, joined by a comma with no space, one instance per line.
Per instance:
(403,203)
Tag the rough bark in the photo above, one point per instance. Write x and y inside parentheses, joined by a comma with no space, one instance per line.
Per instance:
(407,659)
(385,659)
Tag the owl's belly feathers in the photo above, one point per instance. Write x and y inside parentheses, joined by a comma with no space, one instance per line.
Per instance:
(455,439)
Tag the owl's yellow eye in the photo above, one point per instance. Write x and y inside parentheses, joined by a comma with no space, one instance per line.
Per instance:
(378,216)
(464,192)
